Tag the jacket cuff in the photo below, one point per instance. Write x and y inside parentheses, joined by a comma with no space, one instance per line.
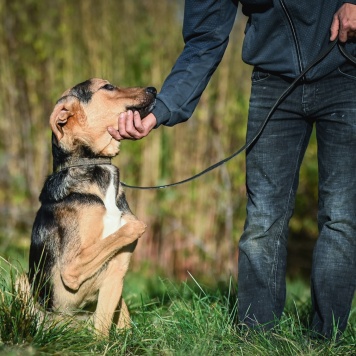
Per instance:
(161,112)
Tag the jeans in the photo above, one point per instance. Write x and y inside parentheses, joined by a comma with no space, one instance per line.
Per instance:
(272,174)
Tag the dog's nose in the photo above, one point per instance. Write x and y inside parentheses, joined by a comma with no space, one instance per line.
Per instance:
(151,90)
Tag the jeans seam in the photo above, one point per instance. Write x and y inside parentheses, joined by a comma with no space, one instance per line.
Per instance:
(346,75)
(279,234)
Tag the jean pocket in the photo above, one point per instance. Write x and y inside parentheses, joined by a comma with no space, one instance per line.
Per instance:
(259,75)
(348,70)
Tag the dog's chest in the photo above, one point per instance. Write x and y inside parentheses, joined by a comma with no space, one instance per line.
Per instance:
(113,216)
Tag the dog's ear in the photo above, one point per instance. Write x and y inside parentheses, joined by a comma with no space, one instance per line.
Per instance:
(61,113)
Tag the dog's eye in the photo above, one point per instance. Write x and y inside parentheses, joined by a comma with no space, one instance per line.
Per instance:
(108,87)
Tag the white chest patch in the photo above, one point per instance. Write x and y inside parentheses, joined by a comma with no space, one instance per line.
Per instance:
(113,217)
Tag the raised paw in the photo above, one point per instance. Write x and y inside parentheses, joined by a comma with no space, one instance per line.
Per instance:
(140,227)
(133,230)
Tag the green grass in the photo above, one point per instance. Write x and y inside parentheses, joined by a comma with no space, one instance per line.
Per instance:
(167,319)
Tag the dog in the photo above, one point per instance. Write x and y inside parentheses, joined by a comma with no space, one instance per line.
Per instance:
(84,232)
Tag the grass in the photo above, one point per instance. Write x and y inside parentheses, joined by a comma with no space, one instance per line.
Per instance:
(167,319)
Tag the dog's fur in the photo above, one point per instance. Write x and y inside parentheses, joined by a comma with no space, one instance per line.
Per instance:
(84,232)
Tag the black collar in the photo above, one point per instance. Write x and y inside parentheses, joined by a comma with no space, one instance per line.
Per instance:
(79,162)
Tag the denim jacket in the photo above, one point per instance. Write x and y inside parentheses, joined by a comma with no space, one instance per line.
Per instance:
(281,36)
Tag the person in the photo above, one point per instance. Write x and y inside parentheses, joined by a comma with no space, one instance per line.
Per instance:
(281,38)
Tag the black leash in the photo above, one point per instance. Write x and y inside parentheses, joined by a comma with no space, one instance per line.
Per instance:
(318,59)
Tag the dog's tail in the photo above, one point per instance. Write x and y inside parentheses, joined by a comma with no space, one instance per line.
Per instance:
(23,288)
(23,291)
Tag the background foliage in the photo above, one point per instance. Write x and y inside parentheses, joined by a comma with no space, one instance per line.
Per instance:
(48,46)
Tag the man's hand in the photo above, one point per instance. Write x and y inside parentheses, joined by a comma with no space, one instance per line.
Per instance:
(131,126)
(344,23)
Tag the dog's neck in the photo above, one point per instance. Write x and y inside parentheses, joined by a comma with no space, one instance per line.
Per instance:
(84,157)
(82,161)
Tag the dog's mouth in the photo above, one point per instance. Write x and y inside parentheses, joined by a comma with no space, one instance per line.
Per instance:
(143,110)
(147,106)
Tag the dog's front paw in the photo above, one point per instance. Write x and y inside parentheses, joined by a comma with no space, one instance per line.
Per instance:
(134,229)
(141,228)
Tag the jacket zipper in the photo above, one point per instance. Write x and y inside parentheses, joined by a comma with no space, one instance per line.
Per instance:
(294,35)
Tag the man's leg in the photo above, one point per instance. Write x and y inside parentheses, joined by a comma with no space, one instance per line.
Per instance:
(272,166)
(334,260)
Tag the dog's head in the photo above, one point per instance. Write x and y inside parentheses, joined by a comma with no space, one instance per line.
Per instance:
(82,115)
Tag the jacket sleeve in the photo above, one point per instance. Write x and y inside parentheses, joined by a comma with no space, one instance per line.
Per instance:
(206,29)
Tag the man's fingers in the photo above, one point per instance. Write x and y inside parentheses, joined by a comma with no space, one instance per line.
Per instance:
(338,29)
(132,127)
(122,123)
(138,122)
(334,29)
(114,133)
(343,36)
(344,23)
(126,125)
(129,126)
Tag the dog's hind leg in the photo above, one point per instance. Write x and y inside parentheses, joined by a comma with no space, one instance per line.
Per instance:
(110,294)
(124,320)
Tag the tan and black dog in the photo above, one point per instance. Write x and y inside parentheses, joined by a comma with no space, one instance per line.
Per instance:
(84,232)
